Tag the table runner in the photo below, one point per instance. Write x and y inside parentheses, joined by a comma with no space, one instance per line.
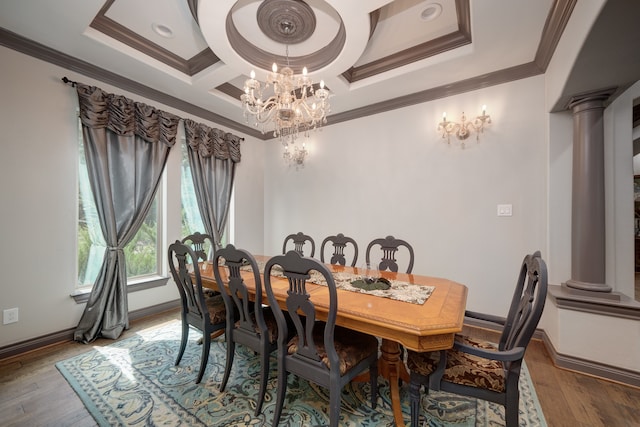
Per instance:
(399,290)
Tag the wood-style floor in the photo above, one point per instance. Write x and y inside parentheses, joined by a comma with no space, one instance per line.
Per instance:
(34,393)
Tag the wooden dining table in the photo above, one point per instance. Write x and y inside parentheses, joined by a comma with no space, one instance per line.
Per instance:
(430,326)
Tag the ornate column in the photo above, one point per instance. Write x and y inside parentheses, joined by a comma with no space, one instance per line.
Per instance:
(588,205)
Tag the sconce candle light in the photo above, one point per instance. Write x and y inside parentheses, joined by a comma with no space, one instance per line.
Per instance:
(463,129)
(295,158)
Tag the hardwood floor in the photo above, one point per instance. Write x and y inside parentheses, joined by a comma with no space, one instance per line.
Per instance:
(33,393)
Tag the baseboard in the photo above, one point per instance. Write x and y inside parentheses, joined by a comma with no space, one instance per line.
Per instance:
(588,367)
(67,334)
(575,364)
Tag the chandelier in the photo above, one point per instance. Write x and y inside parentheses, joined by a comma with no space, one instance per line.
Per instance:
(463,129)
(288,102)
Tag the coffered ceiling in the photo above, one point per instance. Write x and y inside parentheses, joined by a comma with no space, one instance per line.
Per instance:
(373,55)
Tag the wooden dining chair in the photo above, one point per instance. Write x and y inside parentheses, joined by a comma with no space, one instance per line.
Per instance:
(389,246)
(256,326)
(321,352)
(299,241)
(205,314)
(482,369)
(201,244)
(340,242)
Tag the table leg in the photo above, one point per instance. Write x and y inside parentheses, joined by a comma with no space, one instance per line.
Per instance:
(391,366)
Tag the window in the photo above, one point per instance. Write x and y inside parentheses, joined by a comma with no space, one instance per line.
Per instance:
(191,219)
(143,253)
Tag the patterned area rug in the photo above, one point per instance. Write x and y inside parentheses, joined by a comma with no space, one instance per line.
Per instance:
(134,382)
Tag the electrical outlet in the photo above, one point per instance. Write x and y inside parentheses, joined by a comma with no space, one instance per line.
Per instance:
(10,316)
(505,210)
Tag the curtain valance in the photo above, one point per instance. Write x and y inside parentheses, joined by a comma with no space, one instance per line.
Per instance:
(208,142)
(123,116)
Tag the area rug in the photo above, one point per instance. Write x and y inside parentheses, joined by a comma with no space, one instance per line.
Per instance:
(134,382)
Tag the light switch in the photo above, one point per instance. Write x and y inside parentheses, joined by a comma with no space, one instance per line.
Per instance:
(505,210)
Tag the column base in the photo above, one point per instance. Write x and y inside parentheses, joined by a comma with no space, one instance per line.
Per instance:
(593,290)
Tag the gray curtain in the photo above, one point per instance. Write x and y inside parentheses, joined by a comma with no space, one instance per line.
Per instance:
(126,147)
(213,155)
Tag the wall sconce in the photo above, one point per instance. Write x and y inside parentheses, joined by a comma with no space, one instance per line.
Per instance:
(463,129)
(295,158)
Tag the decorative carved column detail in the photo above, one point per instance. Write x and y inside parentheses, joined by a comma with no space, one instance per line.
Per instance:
(588,203)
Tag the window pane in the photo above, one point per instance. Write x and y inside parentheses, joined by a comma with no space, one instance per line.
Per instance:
(191,219)
(141,253)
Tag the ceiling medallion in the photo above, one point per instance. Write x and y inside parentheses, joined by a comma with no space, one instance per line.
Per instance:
(286,21)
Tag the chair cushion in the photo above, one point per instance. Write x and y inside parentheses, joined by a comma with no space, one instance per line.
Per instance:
(352,347)
(272,325)
(462,368)
(217,309)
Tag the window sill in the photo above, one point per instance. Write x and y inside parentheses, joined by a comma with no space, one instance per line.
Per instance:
(81,296)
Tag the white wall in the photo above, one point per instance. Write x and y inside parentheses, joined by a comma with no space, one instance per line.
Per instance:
(392,173)
(38,189)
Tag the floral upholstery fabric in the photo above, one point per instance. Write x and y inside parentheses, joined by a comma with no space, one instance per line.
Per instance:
(352,347)
(217,309)
(272,326)
(462,368)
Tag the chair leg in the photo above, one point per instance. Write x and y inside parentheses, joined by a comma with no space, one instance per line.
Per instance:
(282,389)
(206,346)
(334,404)
(231,350)
(373,377)
(414,398)
(183,342)
(511,410)
(264,376)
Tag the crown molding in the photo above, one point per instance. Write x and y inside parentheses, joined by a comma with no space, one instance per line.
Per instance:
(44,53)
(554,27)
(190,67)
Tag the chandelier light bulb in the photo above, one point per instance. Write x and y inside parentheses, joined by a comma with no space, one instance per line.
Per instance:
(253,74)
(304,71)
(484,110)
(274,68)
(321,84)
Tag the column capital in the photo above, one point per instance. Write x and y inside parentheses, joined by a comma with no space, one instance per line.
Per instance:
(600,96)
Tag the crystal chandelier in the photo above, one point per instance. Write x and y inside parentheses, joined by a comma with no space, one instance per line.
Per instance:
(294,106)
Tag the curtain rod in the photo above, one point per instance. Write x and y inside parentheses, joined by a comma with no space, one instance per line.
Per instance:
(67,81)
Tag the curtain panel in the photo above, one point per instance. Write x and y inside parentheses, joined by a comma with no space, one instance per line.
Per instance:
(126,145)
(213,155)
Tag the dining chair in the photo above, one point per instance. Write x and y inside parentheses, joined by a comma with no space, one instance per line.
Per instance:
(389,246)
(321,352)
(205,314)
(200,243)
(299,241)
(483,369)
(256,326)
(340,242)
